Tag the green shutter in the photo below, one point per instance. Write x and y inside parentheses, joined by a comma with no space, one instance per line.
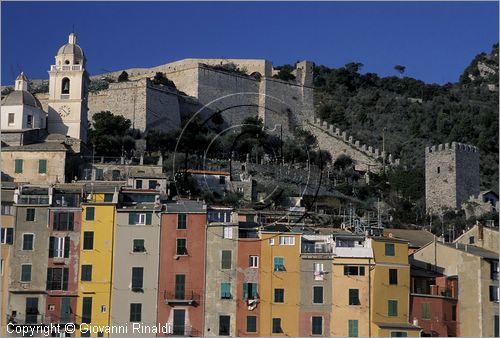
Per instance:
(226,259)
(66,247)
(245,290)
(19,167)
(353,328)
(225,290)
(149,217)
(51,247)
(254,290)
(42,166)
(389,249)
(131,218)
(89,213)
(425,311)
(393,308)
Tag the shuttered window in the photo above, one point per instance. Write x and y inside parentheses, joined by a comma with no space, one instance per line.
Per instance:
(42,166)
(226,259)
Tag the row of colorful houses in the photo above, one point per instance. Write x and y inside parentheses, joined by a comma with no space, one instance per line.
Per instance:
(108,258)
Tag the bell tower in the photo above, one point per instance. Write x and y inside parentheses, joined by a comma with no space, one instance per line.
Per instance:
(68,92)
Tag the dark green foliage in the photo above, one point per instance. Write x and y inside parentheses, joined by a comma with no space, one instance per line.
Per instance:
(123,77)
(415,114)
(98,85)
(160,141)
(285,73)
(161,79)
(400,69)
(108,134)
(229,68)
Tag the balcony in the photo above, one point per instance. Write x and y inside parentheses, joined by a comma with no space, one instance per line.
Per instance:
(181,298)
(316,248)
(183,331)
(26,320)
(33,199)
(434,290)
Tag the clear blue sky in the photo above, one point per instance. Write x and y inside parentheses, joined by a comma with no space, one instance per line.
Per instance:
(434,40)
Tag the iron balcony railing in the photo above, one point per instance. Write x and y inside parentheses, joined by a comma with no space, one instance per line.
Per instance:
(317,248)
(184,331)
(189,297)
(33,199)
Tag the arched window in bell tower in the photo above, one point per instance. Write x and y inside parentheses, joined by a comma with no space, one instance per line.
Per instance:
(65,86)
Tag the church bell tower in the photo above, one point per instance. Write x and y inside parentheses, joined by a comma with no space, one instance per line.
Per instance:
(68,92)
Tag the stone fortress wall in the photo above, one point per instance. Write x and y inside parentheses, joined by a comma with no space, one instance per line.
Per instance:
(366,158)
(202,87)
(451,175)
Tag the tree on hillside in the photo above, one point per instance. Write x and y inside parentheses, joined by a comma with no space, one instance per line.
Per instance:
(108,133)
(161,79)
(123,77)
(400,69)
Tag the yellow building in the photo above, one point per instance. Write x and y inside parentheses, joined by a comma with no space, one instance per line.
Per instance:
(279,288)
(390,281)
(7,236)
(351,286)
(96,262)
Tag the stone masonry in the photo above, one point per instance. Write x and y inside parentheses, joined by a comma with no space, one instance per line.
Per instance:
(451,176)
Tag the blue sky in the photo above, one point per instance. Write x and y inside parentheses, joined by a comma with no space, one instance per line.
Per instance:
(434,40)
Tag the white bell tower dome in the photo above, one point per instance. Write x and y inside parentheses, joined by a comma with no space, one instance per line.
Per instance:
(68,92)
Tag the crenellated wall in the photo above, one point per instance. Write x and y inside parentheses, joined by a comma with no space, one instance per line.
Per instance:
(338,143)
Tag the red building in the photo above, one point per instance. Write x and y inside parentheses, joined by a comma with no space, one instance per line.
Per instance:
(63,256)
(182,268)
(248,267)
(433,302)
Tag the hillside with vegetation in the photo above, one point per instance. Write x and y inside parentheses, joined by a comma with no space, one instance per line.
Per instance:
(413,114)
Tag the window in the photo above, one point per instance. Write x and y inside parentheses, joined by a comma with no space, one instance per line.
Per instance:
(389,249)
(28,240)
(30,214)
(99,174)
(225,291)
(29,121)
(181,249)
(11,119)
(253,261)
(135,312)
(393,276)
(115,175)
(353,328)
(7,209)
(6,235)
(251,324)
(86,273)
(350,270)
(399,334)
(438,170)
(279,264)
(139,245)
(279,295)
(471,240)
(65,86)
(89,213)
(494,293)
(354,297)
(317,325)
(277,325)
(26,273)
(63,221)
(317,294)
(152,184)
(226,259)
(181,221)
(228,232)
(59,247)
(88,240)
(496,326)
(135,218)
(87,310)
(103,309)
(454,313)
(108,197)
(224,325)
(250,290)
(42,166)
(222,179)
(392,308)
(138,184)
(287,240)
(19,167)
(494,270)
(137,278)
(57,278)
(180,286)
(271,241)
(426,311)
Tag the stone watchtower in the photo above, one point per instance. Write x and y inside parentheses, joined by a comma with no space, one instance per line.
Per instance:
(451,176)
